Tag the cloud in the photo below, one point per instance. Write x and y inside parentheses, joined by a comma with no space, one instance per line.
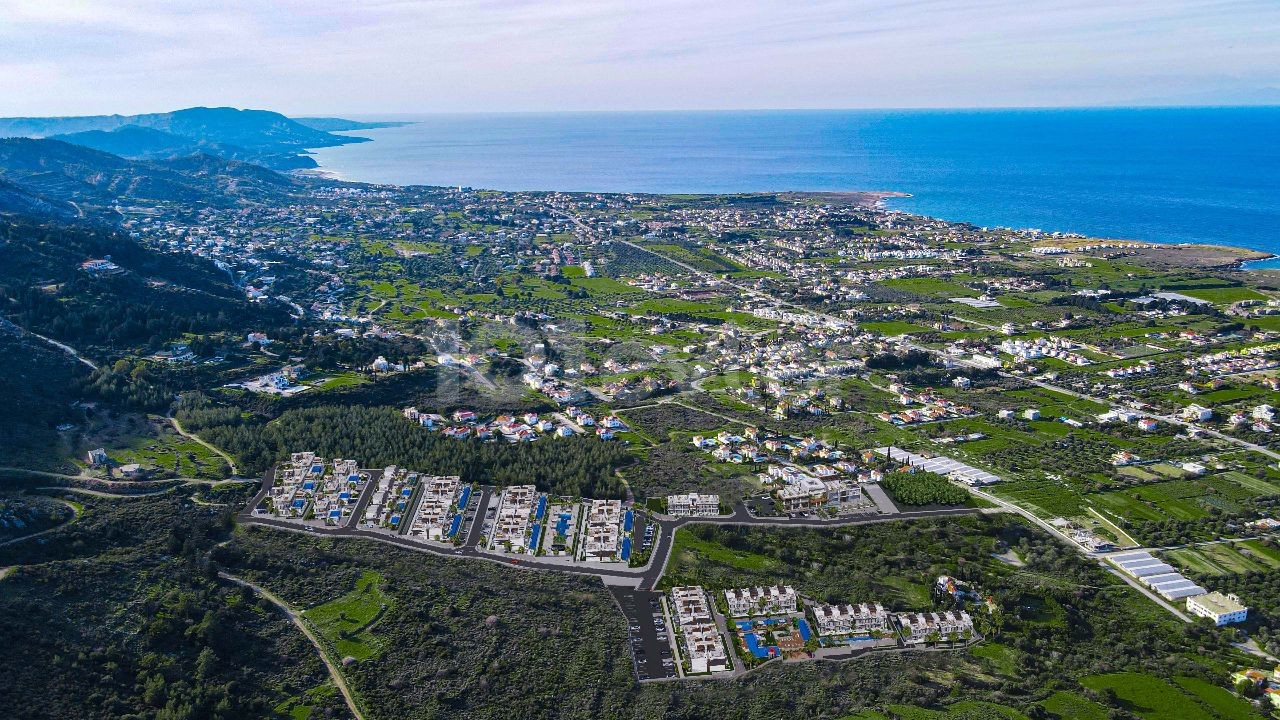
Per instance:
(425,55)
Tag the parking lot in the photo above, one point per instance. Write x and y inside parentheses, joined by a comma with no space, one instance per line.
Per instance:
(647,633)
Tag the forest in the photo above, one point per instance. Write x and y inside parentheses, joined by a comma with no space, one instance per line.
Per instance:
(381,436)
(38,385)
(154,298)
(119,615)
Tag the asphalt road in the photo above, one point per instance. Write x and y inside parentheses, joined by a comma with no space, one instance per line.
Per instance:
(644,578)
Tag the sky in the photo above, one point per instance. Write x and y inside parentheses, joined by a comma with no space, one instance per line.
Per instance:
(369,57)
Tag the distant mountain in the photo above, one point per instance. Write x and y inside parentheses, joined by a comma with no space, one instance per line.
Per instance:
(140,143)
(57,171)
(258,136)
(342,125)
(253,129)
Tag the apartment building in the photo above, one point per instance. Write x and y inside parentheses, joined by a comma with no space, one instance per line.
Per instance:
(602,533)
(704,648)
(433,518)
(922,627)
(771,600)
(693,505)
(690,604)
(701,642)
(512,520)
(844,620)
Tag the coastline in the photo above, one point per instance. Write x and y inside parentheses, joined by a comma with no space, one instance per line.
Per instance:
(1183,253)
(1202,255)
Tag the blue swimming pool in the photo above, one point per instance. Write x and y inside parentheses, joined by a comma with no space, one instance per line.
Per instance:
(453,527)
(760,651)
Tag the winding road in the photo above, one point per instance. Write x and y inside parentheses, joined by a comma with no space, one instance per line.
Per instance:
(297,620)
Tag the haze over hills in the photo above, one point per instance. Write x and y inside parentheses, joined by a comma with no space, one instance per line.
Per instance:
(53,171)
(260,136)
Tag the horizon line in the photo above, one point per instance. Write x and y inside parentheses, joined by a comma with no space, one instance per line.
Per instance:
(616,111)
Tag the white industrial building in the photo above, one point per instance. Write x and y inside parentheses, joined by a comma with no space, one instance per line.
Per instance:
(1221,609)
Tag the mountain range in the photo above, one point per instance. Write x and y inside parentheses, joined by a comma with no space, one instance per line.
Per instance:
(261,137)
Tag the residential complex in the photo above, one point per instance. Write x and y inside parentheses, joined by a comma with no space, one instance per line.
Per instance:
(839,621)
(602,533)
(513,522)
(304,491)
(390,500)
(926,627)
(693,505)
(701,644)
(770,600)
(435,517)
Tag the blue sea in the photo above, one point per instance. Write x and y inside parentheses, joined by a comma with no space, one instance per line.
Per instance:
(1205,175)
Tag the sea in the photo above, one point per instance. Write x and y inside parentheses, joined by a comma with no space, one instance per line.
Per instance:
(1169,175)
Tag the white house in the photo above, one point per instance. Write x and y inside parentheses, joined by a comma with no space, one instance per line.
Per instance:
(1196,413)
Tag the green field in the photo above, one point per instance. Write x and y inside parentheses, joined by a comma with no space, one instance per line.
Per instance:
(341,380)
(164,452)
(1151,698)
(690,549)
(347,622)
(1001,657)
(1070,706)
(1223,703)
(1227,558)
(1224,295)
(931,286)
(1051,498)
(1179,499)
(963,710)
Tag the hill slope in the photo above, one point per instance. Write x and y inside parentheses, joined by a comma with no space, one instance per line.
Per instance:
(58,171)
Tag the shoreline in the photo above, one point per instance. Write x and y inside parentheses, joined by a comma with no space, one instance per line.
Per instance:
(875,199)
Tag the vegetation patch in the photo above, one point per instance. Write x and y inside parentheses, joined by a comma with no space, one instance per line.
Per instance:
(348,622)
(923,488)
